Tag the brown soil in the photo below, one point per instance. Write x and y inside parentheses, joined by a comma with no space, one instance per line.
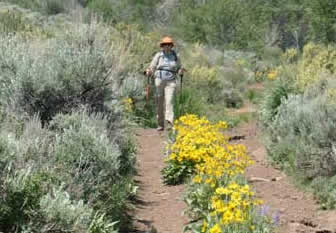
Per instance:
(160,207)
(298,211)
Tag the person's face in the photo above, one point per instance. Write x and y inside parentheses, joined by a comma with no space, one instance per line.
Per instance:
(166,47)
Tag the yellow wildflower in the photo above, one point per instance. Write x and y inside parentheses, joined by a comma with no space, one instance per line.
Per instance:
(204,226)
(227,217)
(197,179)
(222,190)
(272,74)
(215,229)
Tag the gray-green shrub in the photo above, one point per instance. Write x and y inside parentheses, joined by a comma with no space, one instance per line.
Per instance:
(255,23)
(98,158)
(302,133)
(60,74)
(125,11)
(21,193)
(275,93)
(12,22)
(49,7)
(66,214)
(324,188)
(72,166)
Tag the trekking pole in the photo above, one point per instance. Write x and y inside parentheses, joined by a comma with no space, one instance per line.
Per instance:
(181,96)
(147,87)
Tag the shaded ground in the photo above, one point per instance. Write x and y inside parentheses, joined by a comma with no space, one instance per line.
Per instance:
(160,207)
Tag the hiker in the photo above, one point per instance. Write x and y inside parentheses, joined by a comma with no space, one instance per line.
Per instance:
(165,66)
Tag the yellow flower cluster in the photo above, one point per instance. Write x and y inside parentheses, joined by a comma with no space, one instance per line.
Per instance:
(272,74)
(232,204)
(241,62)
(216,164)
(331,94)
(200,73)
(290,55)
(128,104)
(204,145)
(259,76)
(317,61)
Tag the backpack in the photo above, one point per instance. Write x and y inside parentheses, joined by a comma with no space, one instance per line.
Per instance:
(166,73)
(172,51)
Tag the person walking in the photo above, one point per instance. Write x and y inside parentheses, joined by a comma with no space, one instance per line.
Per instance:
(165,66)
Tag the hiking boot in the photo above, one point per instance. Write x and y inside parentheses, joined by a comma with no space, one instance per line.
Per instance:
(159,128)
(169,125)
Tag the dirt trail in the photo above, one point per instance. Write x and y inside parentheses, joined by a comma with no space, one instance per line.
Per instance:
(160,207)
(297,210)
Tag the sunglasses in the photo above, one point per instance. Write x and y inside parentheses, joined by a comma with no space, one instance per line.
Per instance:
(166,45)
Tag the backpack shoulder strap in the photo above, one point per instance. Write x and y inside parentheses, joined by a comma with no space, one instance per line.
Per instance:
(175,55)
(173,52)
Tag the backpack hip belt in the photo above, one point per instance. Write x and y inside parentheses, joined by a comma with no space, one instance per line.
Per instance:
(174,72)
(173,77)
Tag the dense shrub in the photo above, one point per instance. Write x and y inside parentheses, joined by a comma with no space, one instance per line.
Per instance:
(217,22)
(21,194)
(63,74)
(255,23)
(301,135)
(86,153)
(274,95)
(307,149)
(242,24)
(322,20)
(64,174)
(317,61)
(324,188)
(127,11)
(298,115)
(12,22)
(215,78)
(188,101)
(49,7)
(86,158)
(68,215)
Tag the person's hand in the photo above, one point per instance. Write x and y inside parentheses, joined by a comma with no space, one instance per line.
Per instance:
(180,72)
(148,72)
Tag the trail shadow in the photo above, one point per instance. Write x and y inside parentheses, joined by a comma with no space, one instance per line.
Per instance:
(138,201)
(141,203)
(139,226)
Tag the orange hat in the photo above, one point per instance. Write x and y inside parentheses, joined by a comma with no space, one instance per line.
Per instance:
(166,40)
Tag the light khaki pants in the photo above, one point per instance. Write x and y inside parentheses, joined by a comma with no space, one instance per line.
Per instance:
(164,100)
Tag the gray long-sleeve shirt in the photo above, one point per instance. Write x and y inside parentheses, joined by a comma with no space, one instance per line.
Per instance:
(165,62)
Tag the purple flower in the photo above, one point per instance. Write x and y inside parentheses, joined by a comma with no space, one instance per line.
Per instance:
(276,218)
(264,209)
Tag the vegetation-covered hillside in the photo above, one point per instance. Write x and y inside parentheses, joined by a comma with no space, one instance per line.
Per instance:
(72,88)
